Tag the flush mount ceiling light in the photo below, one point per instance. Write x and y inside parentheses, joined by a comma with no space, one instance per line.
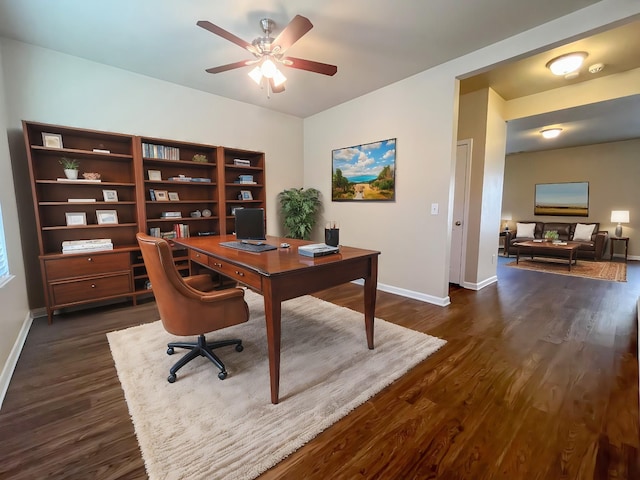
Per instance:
(551,132)
(566,64)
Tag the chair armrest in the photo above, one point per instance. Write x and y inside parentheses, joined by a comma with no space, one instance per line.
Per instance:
(200,282)
(222,295)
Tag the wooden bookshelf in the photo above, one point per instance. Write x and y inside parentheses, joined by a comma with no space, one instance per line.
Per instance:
(198,181)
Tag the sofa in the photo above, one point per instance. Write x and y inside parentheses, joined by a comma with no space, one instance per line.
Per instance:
(592,248)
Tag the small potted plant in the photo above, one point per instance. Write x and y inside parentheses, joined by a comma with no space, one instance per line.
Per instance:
(70,166)
(551,236)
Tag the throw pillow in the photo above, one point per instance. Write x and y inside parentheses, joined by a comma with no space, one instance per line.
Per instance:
(583,232)
(525,230)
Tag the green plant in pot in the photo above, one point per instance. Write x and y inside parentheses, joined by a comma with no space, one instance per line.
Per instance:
(70,166)
(299,211)
(551,236)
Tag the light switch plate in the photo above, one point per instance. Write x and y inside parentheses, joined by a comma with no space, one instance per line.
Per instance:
(434,209)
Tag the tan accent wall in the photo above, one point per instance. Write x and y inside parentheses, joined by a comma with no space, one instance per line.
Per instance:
(612,170)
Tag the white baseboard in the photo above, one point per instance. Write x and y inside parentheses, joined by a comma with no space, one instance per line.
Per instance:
(12,361)
(480,285)
(440,301)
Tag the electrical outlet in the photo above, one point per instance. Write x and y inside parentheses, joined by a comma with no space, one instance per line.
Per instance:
(434,209)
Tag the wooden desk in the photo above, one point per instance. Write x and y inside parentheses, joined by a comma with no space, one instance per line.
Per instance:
(282,274)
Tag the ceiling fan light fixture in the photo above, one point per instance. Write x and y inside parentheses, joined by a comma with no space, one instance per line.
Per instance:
(279,78)
(268,68)
(566,64)
(256,75)
(550,132)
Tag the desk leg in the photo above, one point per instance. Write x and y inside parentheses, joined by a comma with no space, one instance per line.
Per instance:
(370,291)
(273,317)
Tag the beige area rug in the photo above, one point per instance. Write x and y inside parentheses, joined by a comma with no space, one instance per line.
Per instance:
(204,428)
(611,271)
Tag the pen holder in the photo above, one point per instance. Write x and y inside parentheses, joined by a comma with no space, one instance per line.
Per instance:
(332,236)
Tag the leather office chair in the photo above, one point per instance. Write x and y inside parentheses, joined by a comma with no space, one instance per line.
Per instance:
(188,306)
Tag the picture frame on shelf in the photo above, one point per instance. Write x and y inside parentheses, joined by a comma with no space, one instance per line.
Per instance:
(51,140)
(110,195)
(174,197)
(75,218)
(161,195)
(246,195)
(154,175)
(107,217)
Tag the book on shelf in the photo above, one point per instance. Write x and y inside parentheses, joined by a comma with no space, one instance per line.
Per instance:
(180,178)
(245,182)
(152,194)
(181,230)
(90,245)
(101,150)
(200,179)
(154,231)
(163,152)
(171,215)
(242,162)
(80,200)
(246,178)
(78,180)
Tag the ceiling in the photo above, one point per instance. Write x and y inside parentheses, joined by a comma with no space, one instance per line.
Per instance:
(373,42)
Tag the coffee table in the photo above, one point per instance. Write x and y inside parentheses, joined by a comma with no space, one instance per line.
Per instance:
(549,249)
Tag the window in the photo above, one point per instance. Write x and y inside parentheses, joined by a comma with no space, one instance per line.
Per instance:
(4,261)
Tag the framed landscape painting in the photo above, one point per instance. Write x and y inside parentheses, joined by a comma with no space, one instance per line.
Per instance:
(562,199)
(364,172)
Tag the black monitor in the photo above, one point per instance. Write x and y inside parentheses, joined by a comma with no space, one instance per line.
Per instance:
(250,224)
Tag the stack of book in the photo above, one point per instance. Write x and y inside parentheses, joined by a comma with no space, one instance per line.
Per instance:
(171,215)
(242,162)
(93,245)
(317,250)
(245,179)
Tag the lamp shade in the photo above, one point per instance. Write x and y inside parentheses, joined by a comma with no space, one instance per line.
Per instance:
(620,216)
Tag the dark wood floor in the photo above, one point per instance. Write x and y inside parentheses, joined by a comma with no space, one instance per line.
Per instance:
(539,380)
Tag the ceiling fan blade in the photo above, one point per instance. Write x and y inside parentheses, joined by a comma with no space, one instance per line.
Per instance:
(230,66)
(292,32)
(274,89)
(310,65)
(221,32)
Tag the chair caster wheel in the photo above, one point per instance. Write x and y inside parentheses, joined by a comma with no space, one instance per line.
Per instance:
(171,378)
(222,375)
(170,351)
(239,348)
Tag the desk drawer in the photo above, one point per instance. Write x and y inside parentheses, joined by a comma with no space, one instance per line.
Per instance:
(199,258)
(87,264)
(240,274)
(91,288)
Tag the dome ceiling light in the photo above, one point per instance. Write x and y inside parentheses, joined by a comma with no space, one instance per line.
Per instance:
(567,65)
(550,132)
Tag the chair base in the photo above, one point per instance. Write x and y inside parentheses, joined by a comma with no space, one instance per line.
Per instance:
(200,349)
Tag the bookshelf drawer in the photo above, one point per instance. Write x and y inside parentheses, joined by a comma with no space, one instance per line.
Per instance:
(240,274)
(74,291)
(87,264)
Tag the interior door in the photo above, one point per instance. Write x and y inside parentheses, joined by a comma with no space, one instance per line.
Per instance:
(460,209)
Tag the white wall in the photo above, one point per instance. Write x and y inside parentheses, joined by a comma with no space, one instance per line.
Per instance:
(47,86)
(15,318)
(419,112)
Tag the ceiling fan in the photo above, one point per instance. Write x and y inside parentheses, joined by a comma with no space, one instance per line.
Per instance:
(270,52)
